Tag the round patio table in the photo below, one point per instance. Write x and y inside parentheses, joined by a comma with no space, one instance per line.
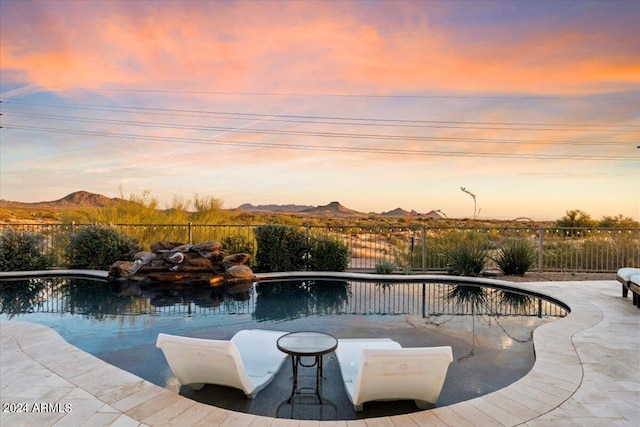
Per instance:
(306,344)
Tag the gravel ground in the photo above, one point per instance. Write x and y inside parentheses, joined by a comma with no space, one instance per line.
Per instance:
(555,276)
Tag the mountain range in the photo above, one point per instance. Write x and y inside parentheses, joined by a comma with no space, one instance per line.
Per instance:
(334,209)
(81,199)
(76,199)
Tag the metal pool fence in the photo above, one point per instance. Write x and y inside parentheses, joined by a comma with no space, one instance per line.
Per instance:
(411,248)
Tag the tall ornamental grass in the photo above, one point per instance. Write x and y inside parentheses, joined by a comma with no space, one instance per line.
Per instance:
(467,254)
(515,257)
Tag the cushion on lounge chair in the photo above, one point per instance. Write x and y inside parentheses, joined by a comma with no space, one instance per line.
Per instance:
(259,352)
(624,274)
(247,362)
(394,373)
(349,352)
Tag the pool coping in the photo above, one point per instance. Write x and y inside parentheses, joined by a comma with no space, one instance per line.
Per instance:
(581,375)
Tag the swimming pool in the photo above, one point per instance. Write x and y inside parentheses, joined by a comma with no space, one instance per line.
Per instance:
(490,329)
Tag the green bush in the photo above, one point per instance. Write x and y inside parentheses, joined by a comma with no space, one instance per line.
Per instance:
(97,247)
(466,258)
(385,267)
(515,257)
(239,244)
(22,250)
(280,248)
(328,253)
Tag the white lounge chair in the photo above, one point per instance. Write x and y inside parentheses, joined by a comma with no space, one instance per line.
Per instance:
(248,361)
(380,369)
(629,279)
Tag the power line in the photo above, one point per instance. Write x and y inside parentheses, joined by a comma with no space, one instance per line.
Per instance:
(350,120)
(394,151)
(316,133)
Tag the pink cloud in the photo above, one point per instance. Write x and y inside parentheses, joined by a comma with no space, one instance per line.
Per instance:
(297,47)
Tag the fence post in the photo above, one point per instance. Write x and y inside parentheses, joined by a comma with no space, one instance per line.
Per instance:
(540,247)
(424,248)
(307,233)
(190,232)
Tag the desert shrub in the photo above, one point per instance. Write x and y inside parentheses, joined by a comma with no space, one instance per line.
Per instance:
(576,218)
(385,267)
(618,221)
(328,253)
(280,248)
(515,257)
(97,247)
(466,258)
(23,250)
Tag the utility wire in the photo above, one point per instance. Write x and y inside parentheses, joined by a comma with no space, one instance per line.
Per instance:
(323,148)
(314,133)
(351,120)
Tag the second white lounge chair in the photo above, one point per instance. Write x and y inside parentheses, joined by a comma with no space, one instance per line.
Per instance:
(380,369)
(248,361)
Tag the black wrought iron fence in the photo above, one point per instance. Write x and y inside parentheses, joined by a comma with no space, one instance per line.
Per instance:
(410,248)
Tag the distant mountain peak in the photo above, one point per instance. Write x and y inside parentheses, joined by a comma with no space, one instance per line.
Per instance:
(84,198)
(333,208)
(397,212)
(77,199)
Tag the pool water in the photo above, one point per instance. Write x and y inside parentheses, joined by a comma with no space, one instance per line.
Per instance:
(490,330)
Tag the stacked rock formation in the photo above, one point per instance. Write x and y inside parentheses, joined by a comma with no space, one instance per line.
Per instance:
(169,262)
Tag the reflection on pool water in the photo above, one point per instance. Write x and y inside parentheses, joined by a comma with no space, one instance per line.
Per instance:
(490,330)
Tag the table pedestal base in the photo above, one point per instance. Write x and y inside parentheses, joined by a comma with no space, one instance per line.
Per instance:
(296,362)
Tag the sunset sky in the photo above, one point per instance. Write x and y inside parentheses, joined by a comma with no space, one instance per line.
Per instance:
(532,106)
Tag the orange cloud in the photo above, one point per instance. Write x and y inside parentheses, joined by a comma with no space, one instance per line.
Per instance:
(306,47)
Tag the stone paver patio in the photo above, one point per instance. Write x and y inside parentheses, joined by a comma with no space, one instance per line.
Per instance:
(587,373)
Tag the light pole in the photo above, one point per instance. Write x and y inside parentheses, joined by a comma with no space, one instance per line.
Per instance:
(475,211)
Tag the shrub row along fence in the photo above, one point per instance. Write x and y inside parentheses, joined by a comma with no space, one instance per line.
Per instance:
(410,248)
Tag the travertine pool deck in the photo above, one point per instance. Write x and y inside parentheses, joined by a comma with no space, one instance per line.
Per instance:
(587,373)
